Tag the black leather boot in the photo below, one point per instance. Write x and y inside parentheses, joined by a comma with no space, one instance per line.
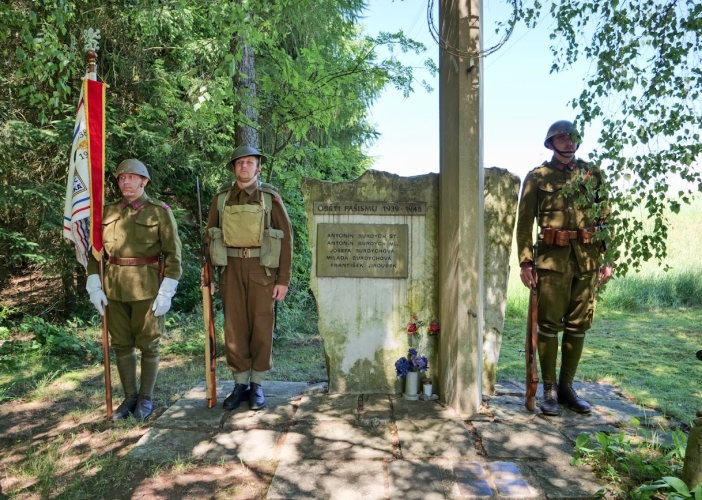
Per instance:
(256,398)
(125,409)
(239,393)
(549,401)
(144,407)
(568,396)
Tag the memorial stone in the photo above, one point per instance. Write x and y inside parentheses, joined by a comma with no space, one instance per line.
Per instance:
(374,265)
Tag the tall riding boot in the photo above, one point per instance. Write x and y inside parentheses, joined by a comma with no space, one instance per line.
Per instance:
(149,371)
(126,367)
(571,350)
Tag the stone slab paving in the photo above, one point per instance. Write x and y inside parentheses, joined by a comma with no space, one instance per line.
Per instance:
(518,440)
(329,480)
(422,439)
(416,480)
(420,410)
(392,448)
(168,445)
(321,407)
(249,445)
(560,480)
(622,411)
(336,440)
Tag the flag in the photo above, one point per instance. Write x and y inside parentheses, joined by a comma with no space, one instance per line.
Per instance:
(82,213)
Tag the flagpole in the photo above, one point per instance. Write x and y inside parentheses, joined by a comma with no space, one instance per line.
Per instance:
(92,58)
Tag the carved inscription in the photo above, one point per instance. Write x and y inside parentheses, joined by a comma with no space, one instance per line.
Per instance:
(369,208)
(362,250)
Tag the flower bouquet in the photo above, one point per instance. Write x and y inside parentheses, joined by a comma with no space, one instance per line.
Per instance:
(413,362)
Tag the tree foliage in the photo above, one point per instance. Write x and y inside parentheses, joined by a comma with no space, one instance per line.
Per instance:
(643,93)
(174,70)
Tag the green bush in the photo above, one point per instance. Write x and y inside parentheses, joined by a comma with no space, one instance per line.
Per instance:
(58,340)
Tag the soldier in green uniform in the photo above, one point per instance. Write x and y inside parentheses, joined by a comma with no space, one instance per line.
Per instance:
(140,236)
(567,262)
(250,239)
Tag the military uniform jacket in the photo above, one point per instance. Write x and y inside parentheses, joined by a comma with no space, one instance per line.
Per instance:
(142,228)
(543,198)
(279,220)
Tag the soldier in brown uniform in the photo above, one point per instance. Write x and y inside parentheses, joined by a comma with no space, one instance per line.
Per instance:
(137,231)
(567,262)
(250,230)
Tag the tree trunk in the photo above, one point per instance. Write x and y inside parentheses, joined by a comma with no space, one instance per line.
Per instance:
(246,129)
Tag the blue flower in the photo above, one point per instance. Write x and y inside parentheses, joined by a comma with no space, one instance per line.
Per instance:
(411,363)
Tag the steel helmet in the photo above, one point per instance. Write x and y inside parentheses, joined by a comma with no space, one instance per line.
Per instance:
(132,166)
(242,151)
(562,127)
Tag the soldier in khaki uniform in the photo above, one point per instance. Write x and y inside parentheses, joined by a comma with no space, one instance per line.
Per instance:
(138,232)
(249,226)
(567,262)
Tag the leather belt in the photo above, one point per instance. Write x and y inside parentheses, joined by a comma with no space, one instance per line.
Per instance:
(133,261)
(244,253)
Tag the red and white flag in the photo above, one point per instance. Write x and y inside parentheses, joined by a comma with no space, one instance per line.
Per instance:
(82,213)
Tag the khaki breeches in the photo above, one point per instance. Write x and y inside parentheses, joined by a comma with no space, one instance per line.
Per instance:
(133,324)
(566,300)
(247,299)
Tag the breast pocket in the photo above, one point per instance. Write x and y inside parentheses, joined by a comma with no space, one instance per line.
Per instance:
(109,231)
(146,230)
(551,197)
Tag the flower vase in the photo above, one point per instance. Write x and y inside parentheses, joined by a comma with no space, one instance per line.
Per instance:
(411,386)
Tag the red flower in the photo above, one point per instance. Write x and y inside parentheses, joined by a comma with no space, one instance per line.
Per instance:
(433,329)
(412,328)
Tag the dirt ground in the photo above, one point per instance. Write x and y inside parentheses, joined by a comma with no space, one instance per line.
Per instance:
(60,450)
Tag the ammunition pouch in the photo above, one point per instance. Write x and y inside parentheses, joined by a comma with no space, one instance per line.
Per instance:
(218,252)
(270,247)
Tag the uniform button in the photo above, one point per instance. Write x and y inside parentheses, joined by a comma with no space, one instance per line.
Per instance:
(572,222)
(570,208)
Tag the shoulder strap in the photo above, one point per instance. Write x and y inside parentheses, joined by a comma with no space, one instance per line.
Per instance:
(221,198)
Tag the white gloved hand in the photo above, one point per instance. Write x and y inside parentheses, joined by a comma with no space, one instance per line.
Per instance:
(97,296)
(165,293)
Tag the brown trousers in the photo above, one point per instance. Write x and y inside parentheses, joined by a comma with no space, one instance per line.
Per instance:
(247,298)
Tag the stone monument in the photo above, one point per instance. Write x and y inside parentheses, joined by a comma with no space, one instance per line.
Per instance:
(374,265)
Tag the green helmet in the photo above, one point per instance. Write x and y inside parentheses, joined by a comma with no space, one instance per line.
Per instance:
(132,166)
(242,151)
(562,127)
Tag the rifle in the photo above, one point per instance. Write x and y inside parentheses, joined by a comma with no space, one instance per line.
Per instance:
(532,372)
(106,348)
(208,314)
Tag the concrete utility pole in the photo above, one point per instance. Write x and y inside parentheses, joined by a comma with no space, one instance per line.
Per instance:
(461,205)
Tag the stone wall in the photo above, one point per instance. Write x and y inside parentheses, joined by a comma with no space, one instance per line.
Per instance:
(501,197)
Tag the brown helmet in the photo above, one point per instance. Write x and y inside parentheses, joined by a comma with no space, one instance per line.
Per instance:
(132,166)
(562,127)
(242,151)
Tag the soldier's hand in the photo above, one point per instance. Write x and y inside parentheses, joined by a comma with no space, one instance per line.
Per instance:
(526,274)
(94,287)
(165,293)
(279,292)
(603,275)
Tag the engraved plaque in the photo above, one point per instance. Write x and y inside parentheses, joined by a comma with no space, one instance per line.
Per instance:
(369,208)
(362,250)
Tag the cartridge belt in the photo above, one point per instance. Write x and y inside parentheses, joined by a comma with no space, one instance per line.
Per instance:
(132,261)
(562,237)
(243,252)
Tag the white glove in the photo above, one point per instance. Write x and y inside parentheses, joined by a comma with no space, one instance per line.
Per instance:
(165,293)
(97,296)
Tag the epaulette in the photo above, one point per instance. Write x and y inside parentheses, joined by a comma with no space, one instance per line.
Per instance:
(226,186)
(158,203)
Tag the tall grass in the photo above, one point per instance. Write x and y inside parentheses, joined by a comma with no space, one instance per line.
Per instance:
(652,288)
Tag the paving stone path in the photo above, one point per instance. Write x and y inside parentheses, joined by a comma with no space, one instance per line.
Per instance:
(353,447)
